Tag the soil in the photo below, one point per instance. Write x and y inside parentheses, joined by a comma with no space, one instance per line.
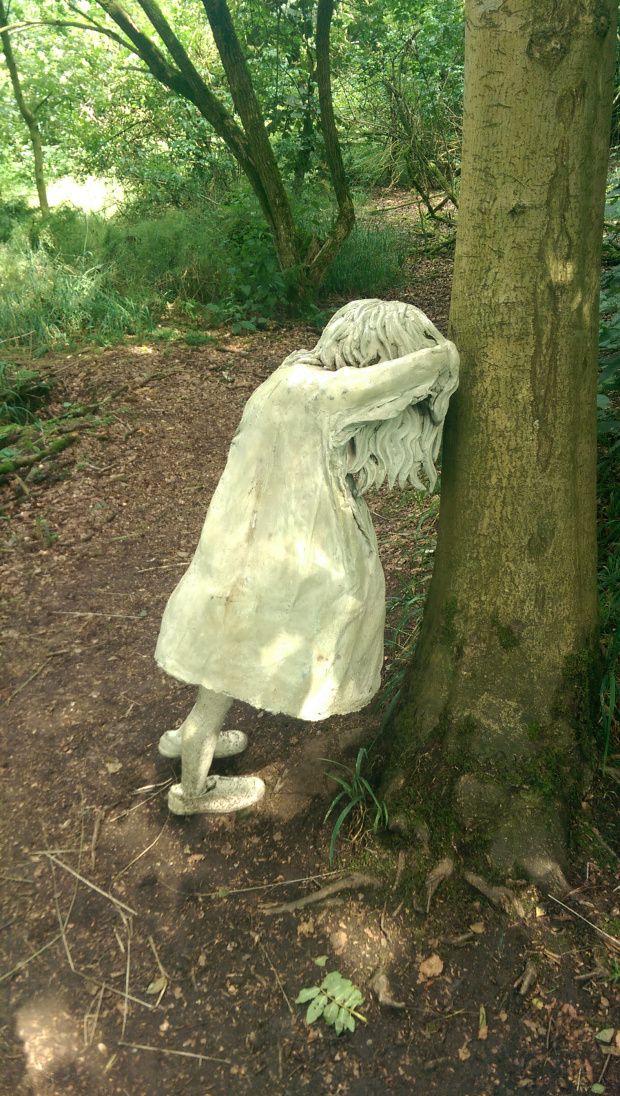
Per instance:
(157,969)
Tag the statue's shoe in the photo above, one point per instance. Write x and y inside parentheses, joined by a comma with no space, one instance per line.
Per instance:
(229,743)
(226,794)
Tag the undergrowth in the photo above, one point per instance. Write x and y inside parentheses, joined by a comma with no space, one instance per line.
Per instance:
(72,276)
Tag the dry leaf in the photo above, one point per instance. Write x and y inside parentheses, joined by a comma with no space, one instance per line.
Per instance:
(113,767)
(503,1016)
(477,927)
(464,1052)
(483,1028)
(430,968)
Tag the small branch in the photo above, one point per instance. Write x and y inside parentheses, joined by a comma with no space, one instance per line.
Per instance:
(25,962)
(277,976)
(614,941)
(178,1053)
(351,882)
(87,883)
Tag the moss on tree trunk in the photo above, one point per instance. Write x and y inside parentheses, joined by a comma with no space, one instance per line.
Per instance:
(495,735)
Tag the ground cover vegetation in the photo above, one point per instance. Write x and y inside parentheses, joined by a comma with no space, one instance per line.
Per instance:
(227,238)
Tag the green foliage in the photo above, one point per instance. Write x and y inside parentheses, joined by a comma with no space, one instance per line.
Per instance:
(370,261)
(22,393)
(336,1000)
(358,797)
(46,303)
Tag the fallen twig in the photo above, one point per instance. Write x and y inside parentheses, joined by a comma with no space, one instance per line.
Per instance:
(99,817)
(108,616)
(277,976)
(614,941)
(25,962)
(179,1053)
(140,854)
(88,883)
(35,673)
(351,882)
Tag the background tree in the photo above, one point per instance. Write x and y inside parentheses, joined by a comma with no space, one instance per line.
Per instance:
(28,112)
(495,737)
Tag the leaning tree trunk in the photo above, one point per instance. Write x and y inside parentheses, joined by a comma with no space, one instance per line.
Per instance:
(26,113)
(495,736)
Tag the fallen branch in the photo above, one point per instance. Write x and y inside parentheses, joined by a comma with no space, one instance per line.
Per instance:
(25,461)
(351,882)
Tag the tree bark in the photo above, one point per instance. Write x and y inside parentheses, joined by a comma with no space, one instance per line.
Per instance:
(321,259)
(496,731)
(27,114)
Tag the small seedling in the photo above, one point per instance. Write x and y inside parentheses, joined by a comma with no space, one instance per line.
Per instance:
(336,1000)
(357,793)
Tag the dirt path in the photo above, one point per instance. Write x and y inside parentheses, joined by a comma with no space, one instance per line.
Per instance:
(173,952)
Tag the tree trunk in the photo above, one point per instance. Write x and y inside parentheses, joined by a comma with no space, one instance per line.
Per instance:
(27,115)
(496,733)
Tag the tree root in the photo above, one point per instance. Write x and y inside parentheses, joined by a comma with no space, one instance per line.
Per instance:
(499,896)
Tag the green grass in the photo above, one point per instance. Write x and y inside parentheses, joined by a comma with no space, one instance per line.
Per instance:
(46,303)
(72,276)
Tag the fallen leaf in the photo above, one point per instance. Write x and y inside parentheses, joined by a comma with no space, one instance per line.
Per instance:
(605,1035)
(157,985)
(503,1015)
(477,927)
(113,767)
(338,941)
(464,1052)
(483,1028)
(320,960)
(430,968)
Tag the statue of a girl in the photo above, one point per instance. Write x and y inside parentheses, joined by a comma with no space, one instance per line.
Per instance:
(283,604)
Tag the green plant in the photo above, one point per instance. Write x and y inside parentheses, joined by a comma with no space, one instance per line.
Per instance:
(22,392)
(336,1000)
(357,794)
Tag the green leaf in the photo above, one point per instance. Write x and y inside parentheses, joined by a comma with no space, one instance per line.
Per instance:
(355,998)
(333,982)
(315,1008)
(596,1087)
(306,995)
(342,817)
(331,1012)
(605,1035)
(320,960)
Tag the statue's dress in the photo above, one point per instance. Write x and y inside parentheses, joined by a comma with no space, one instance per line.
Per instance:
(283,604)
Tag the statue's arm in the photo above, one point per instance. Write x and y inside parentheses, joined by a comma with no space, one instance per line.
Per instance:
(384,390)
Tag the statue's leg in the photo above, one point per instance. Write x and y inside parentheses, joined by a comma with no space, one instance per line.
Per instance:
(199,792)
(199,739)
(229,743)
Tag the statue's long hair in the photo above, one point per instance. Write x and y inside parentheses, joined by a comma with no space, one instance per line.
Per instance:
(364,333)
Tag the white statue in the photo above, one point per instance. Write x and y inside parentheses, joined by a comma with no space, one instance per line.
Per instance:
(283,604)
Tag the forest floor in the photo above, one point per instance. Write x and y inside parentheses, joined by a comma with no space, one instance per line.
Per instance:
(137,955)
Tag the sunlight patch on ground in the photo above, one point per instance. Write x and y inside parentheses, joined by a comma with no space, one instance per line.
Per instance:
(48,1032)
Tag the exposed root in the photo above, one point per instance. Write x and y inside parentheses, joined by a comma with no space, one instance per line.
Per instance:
(442,871)
(525,982)
(499,896)
(350,882)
